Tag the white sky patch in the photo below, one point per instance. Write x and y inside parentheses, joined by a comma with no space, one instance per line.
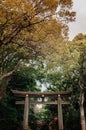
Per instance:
(39,106)
(79,26)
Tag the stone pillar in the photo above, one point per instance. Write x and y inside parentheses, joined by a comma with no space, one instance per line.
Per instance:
(26,112)
(60,116)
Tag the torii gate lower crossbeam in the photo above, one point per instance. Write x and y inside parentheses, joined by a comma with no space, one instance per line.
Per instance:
(26,103)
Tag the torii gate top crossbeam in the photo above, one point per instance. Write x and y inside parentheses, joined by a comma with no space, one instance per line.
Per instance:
(40,94)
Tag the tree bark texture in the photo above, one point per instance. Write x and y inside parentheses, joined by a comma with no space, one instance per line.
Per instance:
(82,114)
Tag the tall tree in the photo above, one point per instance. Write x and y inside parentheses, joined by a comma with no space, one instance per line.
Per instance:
(69,59)
(20,20)
(81,40)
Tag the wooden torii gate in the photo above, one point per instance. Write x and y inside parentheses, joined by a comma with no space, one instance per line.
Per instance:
(26,102)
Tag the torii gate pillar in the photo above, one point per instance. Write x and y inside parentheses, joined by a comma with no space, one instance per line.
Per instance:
(26,111)
(60,116)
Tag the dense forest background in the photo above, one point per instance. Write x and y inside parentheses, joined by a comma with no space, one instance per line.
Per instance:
(35,53)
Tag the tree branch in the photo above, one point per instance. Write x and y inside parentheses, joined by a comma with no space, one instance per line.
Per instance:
(8,74)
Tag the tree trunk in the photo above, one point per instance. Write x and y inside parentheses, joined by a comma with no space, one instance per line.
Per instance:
(3,86)
(82,115)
